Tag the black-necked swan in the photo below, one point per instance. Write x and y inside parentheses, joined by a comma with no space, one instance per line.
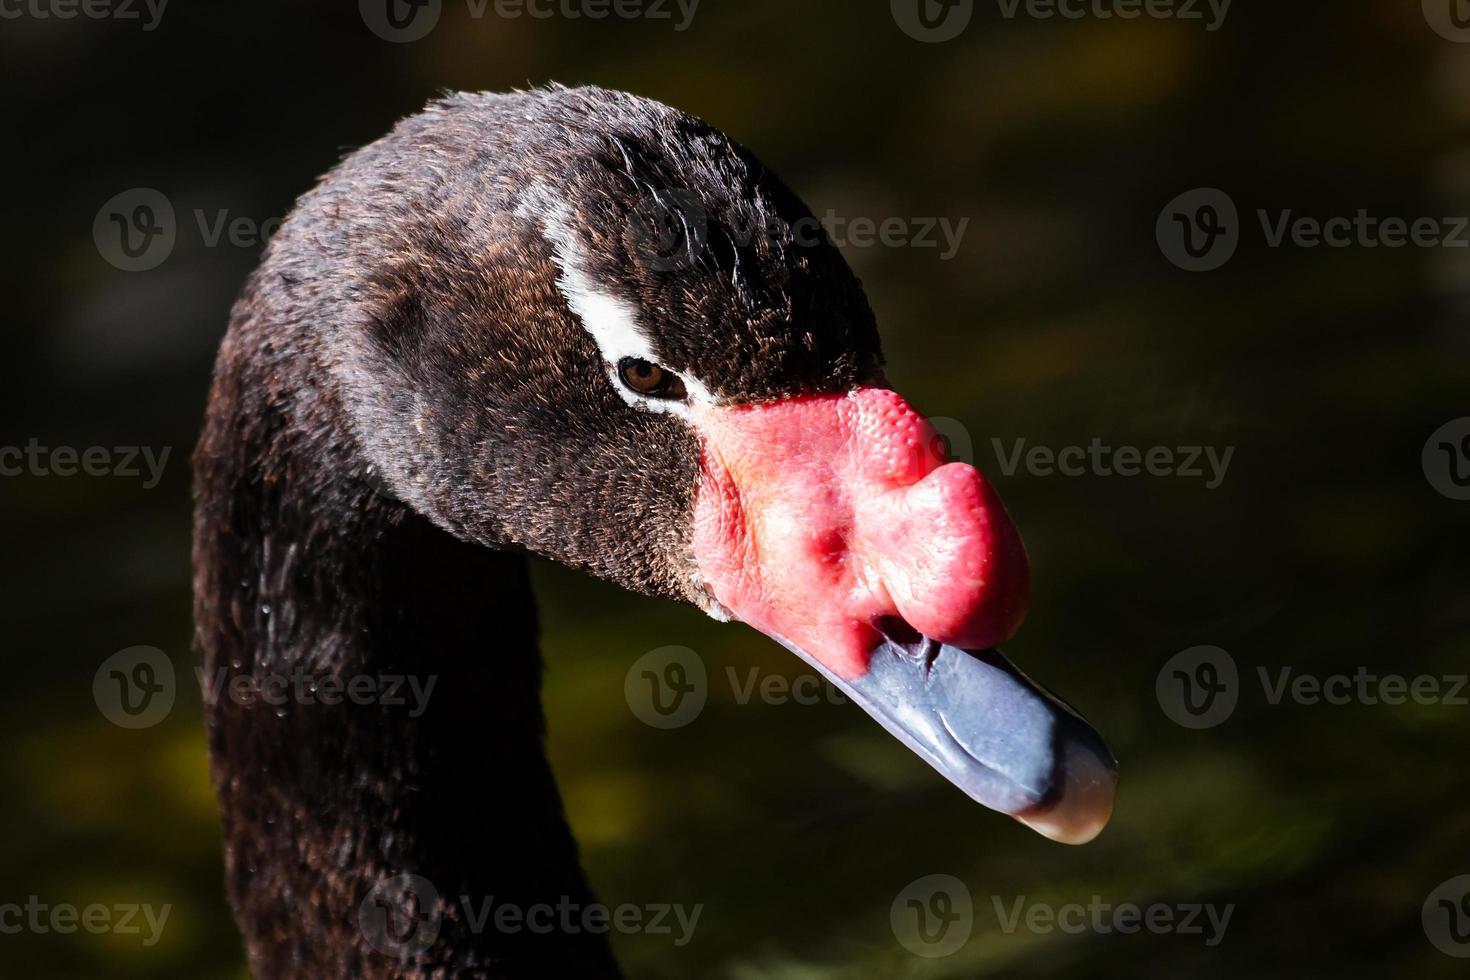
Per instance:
(456,351)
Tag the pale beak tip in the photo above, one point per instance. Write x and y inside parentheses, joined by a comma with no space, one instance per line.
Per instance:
(1085,804)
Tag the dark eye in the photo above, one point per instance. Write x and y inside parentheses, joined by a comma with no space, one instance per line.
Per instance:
(649,379)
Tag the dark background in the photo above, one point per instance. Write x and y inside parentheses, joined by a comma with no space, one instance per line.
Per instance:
(1325,549)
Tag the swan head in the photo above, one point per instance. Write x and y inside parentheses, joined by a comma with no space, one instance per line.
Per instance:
(586,325)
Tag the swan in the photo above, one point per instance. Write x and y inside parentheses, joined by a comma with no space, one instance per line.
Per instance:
(466,345)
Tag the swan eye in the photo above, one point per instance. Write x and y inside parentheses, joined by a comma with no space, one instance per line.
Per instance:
(649,379)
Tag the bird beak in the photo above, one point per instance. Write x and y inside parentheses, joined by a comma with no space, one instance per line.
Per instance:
(1009,743)
(828,523)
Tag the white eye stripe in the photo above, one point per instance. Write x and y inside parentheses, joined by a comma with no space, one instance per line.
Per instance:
(611,322)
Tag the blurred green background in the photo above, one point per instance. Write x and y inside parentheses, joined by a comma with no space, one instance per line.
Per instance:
(1059,320)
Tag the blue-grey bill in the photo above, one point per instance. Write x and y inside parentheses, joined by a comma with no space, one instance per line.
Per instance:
(992,731)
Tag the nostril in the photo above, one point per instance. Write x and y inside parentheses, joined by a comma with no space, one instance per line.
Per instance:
(897,629)
(913,644)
